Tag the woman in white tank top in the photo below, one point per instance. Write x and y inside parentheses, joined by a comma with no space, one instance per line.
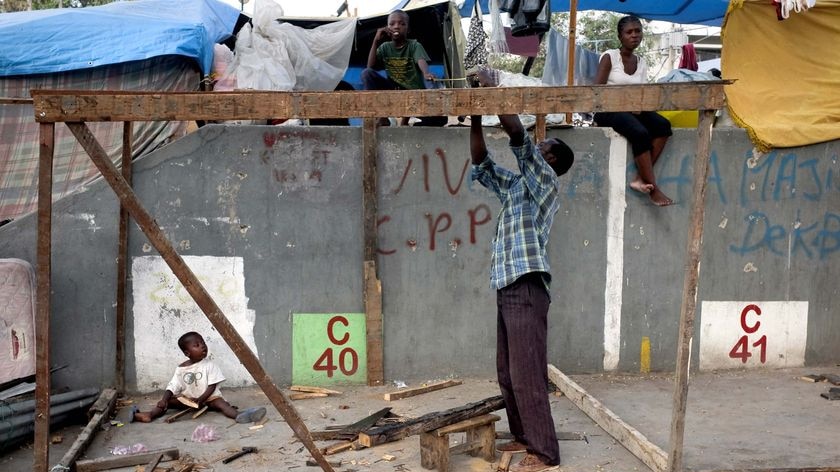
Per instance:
(647,131)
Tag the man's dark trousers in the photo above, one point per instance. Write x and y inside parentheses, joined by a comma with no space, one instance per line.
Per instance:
(521,362)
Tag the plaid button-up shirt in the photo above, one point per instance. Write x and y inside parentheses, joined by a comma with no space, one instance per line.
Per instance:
(529,202)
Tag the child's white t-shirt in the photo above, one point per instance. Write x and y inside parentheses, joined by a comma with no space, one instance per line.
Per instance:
(191,381)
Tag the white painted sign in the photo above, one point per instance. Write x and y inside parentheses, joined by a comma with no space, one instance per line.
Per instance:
(736,335)
(163,311)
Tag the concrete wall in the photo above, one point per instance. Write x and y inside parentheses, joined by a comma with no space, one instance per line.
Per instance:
(270,220)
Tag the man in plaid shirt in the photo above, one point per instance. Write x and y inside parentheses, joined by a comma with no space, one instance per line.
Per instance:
(519,272)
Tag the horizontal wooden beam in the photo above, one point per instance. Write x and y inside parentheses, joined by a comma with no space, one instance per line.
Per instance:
(86,105)
(628,436)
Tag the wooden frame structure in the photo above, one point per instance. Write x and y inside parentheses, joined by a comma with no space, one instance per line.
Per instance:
(76,107)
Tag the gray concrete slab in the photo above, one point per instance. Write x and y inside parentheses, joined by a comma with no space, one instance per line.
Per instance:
(735,419)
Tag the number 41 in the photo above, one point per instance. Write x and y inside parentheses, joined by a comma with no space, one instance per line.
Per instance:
(741,349)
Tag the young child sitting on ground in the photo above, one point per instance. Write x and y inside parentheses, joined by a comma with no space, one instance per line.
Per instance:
(197,379)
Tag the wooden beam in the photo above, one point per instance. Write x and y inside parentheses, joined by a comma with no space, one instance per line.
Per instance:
(42,312)
(690,280)
(372,290)
(410,392)
(87,105)
(423,424)
(197,291)
(115,462)
(101,412)
(122,261)
(628,436)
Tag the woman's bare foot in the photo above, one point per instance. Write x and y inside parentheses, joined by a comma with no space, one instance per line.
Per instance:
(660,199)
(641,186)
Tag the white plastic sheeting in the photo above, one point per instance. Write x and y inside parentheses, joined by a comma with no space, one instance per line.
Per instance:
(280,56)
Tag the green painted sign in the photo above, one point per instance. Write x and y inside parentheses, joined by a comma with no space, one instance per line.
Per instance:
(329,349)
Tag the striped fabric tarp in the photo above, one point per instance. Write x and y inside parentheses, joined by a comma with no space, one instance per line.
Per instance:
(19,146)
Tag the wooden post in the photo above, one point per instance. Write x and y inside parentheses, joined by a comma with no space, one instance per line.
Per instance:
(539,129)
(689,301)
(198,293)
(42,313)
(570,74)
(372,285)
(122,262)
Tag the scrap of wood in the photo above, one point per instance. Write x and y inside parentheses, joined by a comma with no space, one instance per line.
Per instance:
(312,463)
(337,447)
(304,396)
(393,432)
(154,463)
(262,421)
(812,378)
(831,378)
(504,462)
(177,415)
(629,437)
(410,392)
(469,423)
(304,388)
(102,407)
(188,402)
(115,462)
(199,412)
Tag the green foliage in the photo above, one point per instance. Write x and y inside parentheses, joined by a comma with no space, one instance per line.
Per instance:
(595,31)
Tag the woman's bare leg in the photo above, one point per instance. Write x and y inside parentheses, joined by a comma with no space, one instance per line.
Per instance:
(646,178)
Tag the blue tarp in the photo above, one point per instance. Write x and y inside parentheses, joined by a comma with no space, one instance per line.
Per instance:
(56,40)
(699,12)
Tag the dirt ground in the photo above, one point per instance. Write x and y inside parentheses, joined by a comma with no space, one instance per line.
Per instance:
(735,419)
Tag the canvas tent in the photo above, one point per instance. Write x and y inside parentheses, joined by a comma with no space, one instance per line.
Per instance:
(786,72)
(138,45)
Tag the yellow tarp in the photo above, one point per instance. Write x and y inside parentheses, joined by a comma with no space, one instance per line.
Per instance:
(787,89)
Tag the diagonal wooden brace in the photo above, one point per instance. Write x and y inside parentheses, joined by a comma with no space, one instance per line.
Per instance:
(197,291)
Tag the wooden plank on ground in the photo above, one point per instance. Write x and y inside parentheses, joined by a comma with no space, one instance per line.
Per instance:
(101,410)
(87,105)
(307,389)
(628,436)
(410,392)
(423,424)
(306,395)
(194,287)
(128,460)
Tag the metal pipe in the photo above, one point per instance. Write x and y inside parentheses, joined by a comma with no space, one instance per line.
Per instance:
(16,421)
(12,409)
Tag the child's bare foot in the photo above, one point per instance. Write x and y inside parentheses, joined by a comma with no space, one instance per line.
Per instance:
(660,199)
(143,416)
(641,186)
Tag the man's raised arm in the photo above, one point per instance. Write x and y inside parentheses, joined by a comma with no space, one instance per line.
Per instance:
(510,123)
